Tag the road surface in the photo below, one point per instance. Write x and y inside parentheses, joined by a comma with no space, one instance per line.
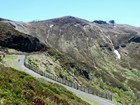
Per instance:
(90,97)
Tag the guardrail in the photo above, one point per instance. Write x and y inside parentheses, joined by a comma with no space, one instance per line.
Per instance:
(108,95)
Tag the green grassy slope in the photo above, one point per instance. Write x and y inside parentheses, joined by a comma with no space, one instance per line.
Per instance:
(18,88)
(106,77)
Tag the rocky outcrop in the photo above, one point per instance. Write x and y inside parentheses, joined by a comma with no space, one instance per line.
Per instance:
(9,37)
(135,39)
(21,43)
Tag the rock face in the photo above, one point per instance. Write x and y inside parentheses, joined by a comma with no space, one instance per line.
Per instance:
(13,39)
(135,39)
(23,44)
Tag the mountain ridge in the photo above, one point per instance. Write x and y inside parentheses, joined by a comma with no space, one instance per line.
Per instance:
(89,52)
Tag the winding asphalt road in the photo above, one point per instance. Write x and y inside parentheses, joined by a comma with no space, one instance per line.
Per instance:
(87,96)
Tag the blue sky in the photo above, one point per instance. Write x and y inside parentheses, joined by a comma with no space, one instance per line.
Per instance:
(122,11)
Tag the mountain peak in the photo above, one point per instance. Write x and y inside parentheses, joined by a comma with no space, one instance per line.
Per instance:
(68,20)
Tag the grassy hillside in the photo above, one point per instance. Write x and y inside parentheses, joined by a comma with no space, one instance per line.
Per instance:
(114,78)
(83,52)
(18,88)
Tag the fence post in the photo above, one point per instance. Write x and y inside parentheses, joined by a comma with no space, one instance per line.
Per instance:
(83,88)
(43,74)
(96,92)
(62,81)
(55,78)
(58,79)
(93,92)
(86,89)
(70,84)
(101,94)
(110,97)
(66,82)
(106,96)
(79,87)
(46,75)
(52,77)
(75,85)
(89,91)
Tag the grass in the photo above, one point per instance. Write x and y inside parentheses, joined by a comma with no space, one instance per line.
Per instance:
(133,74)
(105,77)
(18,88)
(124,97)
(11,60)
(48,64)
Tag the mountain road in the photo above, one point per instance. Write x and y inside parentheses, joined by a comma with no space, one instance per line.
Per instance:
(87,96)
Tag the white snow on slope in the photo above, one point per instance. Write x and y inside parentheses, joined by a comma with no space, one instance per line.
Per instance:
(117,53)
(51,25)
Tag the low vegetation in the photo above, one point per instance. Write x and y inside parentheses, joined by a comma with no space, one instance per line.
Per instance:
(120,83)
(18,88)
(11,61)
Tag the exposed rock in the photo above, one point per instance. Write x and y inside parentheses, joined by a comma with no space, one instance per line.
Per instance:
(11,38)
(135,39)
(21,43)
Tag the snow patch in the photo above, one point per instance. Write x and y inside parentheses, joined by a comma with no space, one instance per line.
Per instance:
(118,54)
(76,25)
(51,25)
